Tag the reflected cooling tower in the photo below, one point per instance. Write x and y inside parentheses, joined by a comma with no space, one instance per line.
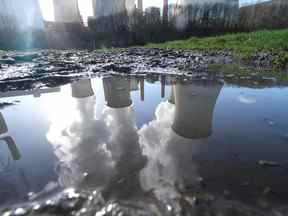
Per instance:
(67,11)
(82,89)
(3,126)
(8,140)
(14,151)
(195,104)
(117,92)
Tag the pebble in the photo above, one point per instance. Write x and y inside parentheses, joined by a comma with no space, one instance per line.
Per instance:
(226,193)
(7,213)
(267,191)
(286,136)
(8,61)
(270,122)
(265,163)
(20,212)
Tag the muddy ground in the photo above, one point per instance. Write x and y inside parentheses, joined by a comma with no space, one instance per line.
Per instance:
(50,68)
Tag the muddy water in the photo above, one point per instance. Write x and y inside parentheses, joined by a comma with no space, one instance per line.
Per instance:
(135,139)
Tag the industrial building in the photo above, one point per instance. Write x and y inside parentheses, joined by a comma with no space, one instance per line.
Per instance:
(267,14)
(153,15)
(208,13)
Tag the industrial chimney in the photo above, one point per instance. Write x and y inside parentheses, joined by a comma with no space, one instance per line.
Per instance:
(165,11)
(140,5)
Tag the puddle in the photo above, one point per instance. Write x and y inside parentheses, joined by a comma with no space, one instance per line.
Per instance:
(135,138)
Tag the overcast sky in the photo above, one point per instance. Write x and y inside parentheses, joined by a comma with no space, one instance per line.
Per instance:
(86,7)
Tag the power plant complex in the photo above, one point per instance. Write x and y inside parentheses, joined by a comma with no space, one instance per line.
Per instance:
(67,11)
(130,22)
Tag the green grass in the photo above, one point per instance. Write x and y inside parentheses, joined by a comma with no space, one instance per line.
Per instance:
(241,42)
(243,45)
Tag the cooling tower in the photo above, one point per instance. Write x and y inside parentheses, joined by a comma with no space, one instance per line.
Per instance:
(194,109)
(165,10)
(111,7)
(117,92)
(67,11)
(21,14)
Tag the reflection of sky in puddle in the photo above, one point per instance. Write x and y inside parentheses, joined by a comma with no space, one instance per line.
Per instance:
(107,132)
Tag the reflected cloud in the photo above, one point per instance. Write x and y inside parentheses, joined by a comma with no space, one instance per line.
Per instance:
(80,144)
(123,142)
(99,149)
(171,141)
(246,100)
(107,150)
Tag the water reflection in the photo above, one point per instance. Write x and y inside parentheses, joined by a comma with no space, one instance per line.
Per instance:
(101,139)
(123,142)
(12,184)
(99,149)
(170,141)
(106,149)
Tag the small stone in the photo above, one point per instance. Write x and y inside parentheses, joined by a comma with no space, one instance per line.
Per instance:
(267,191)
(191,200)
(226,193)
(7,213)
(230,75)
(265,163)
(169,208)
(263,203)
(20,211)
(26,57)
(49,202)
(272,79)
(269,121)
(36,207)
(245,183)
(277,213)
(83,210)
(286,136)
(8,61)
